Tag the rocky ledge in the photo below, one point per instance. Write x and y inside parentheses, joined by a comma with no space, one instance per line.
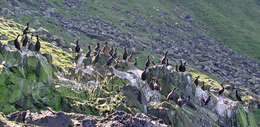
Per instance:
(51,118)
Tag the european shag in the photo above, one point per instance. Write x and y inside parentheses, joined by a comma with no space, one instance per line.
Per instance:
(135,64)
(147,63)
(222,90)
(125,54)
(238,97)
(37,45)
(196,81)
(143,76)
(163,60)
(25,40)
(96,58)
(16,43)
(105,48)
(26,30)
(89,51)
(77,48)
(207,100)
(169,96)
(97,47)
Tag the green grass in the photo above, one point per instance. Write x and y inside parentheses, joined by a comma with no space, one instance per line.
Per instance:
(235,23)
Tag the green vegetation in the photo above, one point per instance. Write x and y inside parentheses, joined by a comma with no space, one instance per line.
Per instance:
(236,23)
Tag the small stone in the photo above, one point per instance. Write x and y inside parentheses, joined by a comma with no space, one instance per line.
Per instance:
(4,37)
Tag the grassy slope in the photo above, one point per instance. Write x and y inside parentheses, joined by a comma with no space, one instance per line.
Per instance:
(236,23)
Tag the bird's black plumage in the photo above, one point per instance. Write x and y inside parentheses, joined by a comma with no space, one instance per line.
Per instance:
(125,54)
(38,44)
(109,61)
(163,60)
(26,30)
(222,90)
(238,97)
(89,51)
(196,81)
(16,43)
(25,40)
(207,100)
(77,48)
(147,63)
(143,76)
(97,47)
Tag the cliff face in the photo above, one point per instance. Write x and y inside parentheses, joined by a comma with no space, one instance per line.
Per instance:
(52,82)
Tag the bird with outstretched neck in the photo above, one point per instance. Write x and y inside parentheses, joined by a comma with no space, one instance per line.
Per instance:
(37,45)
(147,63)
(89,51)
(125,54)
(196,81)
(169,96)
(26,30)
(25,40)
(77,48)
(16,43)
(163,60)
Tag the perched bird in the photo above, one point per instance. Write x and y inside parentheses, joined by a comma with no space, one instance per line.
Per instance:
(115,53)
(135,64)
(163,60)
(196,81)
(125,54)
(147,63)
(26,30)
(37,45)
(96,58)
(222,90)
(167,63)
(109,61)
(89,51)
(176,68)
(182,67)
(77,48)
(16,43)
(105,48)
(111,51)
(97,47)
(25,40)
(169,96)
(31,46)
(203,86)
(129,59)
(143,76)
(180,101)
(238,97)
(207,100)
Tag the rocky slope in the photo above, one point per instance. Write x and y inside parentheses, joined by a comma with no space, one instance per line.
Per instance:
(173,30)
(101,95)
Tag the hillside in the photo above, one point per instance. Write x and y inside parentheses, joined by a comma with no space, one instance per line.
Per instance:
(220,44)
(98,95)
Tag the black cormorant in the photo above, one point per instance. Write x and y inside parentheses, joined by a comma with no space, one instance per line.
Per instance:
(222,90)
(163,60)
(207,100)
(97,47)
(26,30)
(125,54)
(95,59)
(147,63)
(238,97)
(169,96)
(89,51)
(16,43)
(105,48)
(143,76)
(25,40)
(77,48)
(37,45)
(196,81)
